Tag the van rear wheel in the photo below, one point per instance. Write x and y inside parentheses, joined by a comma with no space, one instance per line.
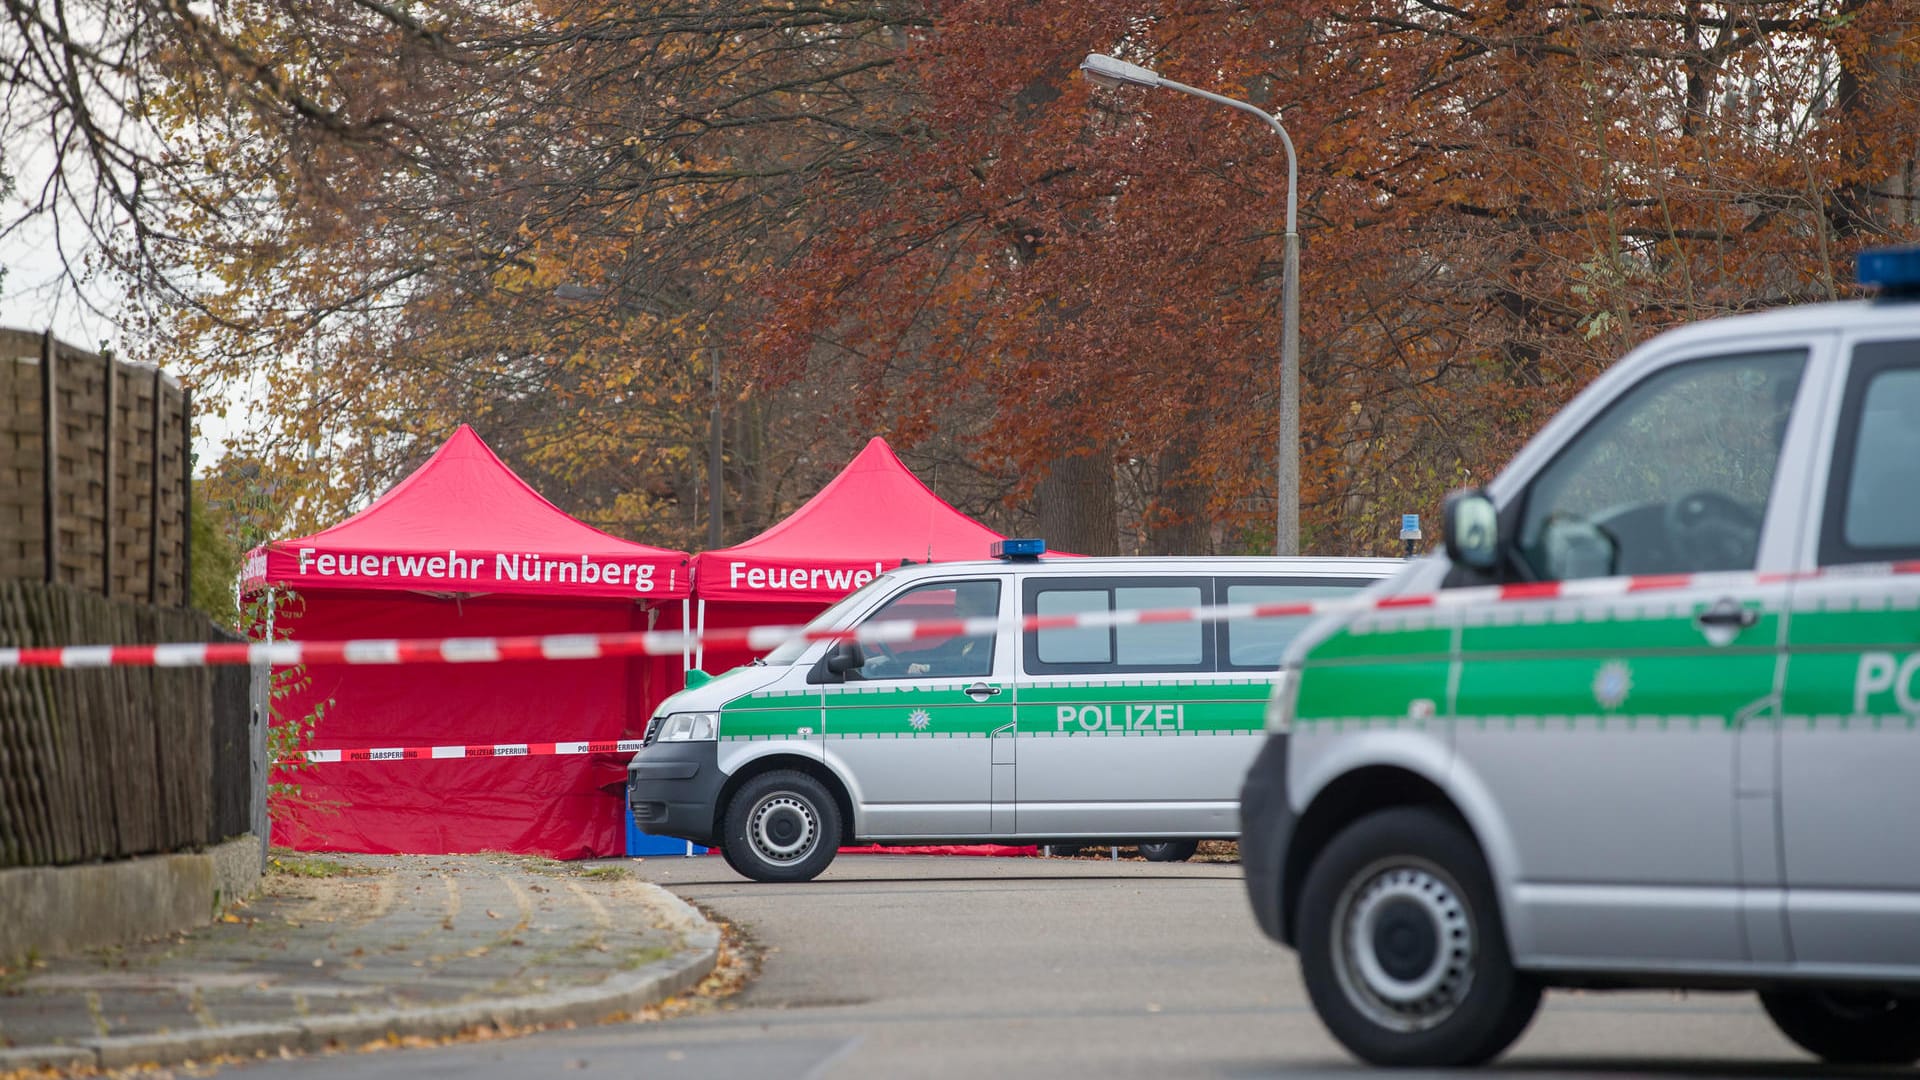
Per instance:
(1402,947)
(1170,850)
(781,826)
(1843,1028)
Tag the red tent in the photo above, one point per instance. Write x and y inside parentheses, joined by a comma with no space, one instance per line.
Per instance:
(464,548)
(869,519)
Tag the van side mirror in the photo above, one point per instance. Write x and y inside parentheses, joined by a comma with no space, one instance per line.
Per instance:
(1473,529)
(845,656)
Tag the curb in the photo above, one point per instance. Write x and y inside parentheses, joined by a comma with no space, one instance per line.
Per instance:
(624,992)
(65,909)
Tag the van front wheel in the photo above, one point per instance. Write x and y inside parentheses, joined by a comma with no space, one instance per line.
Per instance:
(781,826)
(1843,1028)
(1170,850)
(1402,947)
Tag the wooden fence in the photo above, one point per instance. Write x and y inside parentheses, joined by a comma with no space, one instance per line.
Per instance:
(95,548)
(95,466)
(110,762)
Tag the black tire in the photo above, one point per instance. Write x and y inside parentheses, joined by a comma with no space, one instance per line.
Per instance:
(1402,946)
(1170,850)
(781,826)
(1064,851)
(1843,1028)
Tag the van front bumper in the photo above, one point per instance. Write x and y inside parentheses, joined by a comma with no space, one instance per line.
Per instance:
(1266,829)
(674,790)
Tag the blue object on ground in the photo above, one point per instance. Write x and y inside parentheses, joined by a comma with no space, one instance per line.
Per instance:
(640,843)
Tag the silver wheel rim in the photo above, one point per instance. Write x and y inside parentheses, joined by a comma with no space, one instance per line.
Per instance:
(1408,888)
(783,827)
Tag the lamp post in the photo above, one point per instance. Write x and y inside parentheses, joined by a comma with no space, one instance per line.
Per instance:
(715,481)
(1110,72)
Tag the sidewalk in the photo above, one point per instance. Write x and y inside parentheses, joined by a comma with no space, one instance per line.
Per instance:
(351,948)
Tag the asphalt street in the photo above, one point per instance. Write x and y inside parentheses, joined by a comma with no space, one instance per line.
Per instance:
(913,966)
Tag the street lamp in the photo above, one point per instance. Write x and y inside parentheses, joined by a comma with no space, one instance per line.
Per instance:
(716,484)
(1110,72)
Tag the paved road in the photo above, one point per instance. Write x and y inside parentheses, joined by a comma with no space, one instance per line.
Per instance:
(898,966)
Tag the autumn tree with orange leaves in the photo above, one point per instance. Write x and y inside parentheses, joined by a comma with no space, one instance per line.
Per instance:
(1497,200)
(557,219)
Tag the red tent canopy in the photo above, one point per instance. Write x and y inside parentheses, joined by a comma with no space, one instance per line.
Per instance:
(868,519)
(464,523)
(464,548)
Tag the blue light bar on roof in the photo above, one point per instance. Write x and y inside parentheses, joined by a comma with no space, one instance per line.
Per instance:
(1018,549)
(1893,271)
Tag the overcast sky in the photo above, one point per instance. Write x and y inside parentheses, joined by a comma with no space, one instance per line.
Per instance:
(34,296)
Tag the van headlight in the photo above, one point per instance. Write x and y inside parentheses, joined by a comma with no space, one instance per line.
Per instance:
(1286,690)
(690,727)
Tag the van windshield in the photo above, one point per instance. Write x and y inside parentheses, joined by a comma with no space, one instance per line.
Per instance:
(789,652)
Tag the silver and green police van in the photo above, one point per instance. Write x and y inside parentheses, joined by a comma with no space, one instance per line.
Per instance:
(1657,724)
(1077,734)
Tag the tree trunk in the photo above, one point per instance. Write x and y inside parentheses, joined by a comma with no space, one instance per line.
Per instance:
(1075,504)
(1177,522)
(1866,90)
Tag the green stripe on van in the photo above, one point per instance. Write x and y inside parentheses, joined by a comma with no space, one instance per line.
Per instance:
(1378,689)
(1144,708)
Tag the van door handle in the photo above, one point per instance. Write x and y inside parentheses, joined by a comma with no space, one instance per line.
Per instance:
(980,690)
(1728,613)
(1724,621)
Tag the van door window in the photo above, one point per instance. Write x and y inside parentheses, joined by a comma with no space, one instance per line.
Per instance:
(1074,644)
(1673,478)
(1256,644)
(1174,644)
(1182,646)
(965,656)
(1872,513)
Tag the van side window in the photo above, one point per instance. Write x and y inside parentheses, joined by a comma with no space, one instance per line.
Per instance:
(1673,478)
(1078,644)
(1256,644)
(1178,644)
(1872,512)
(1181,646)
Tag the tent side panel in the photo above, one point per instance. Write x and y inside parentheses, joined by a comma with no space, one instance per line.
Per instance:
(567,806)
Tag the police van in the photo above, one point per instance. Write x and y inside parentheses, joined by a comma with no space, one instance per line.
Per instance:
(1076,733)
(1655,723)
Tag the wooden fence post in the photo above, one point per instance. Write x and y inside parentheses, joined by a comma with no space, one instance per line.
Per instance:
(106,478)
(49,456)
(153,501)
(186,495)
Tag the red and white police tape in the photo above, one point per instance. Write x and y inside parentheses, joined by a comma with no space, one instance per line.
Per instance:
(760,638)
(485,750)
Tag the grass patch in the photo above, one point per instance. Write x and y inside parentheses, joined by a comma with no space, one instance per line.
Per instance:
(639,958)
(607,873)
(306,866)
(531,864)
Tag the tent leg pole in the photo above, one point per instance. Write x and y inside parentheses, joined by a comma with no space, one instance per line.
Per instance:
(700,645)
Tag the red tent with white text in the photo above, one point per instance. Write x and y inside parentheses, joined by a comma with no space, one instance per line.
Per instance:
(464,548)
(869,519)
